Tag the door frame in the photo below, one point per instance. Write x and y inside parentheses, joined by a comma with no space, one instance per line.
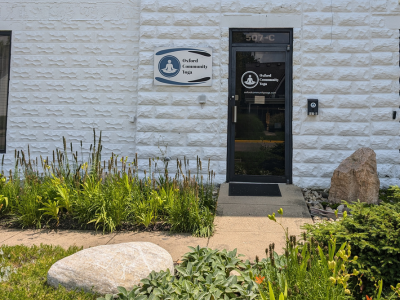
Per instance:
(230,175)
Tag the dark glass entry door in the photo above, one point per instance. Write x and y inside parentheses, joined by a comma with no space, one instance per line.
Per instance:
(260,115)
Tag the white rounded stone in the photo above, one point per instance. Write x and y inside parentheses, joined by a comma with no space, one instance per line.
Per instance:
(102,269)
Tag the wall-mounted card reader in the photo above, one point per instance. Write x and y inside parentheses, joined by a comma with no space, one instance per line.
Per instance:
(312,107)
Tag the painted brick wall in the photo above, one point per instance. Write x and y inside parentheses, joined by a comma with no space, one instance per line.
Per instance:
(343,55)
(84,64)
(348,59)
(74,67)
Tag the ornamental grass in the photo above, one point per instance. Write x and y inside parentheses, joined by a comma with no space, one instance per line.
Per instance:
(68,191)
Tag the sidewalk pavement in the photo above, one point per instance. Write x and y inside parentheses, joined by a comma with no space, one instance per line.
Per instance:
(175,244)
(241,223)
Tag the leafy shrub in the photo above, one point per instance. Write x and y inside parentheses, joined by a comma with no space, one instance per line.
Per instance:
(390,195)
(3,203)
(106,195)
(303,272)
(374,234)
(206,274)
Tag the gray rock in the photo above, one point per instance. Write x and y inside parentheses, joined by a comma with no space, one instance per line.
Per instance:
(325,195)
(106,267)
(318,205)
(340,208)
(329,209)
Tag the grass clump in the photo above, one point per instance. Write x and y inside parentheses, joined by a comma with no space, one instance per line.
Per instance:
(67,192)
(23,273)
(374,233)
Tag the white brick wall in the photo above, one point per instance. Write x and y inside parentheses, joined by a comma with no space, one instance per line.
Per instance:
(74,67)
(83,64)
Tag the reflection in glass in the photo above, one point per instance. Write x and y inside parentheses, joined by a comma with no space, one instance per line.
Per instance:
(4,77)
(260,101)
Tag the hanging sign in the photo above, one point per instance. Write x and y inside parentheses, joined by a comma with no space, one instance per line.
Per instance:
(183,66)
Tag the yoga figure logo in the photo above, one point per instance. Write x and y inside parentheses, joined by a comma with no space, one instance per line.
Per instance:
(248,81)
(169,66)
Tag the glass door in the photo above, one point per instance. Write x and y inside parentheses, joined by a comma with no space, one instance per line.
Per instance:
(259,118)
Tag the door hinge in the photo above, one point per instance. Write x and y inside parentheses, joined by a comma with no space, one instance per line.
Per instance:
(288,48)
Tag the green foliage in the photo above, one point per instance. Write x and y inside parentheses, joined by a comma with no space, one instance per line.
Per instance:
(106,195)
(203,274)
(374,234)
(27,205)
(390,195)
(23,273)
(3,203)
(304,272)
(51,208)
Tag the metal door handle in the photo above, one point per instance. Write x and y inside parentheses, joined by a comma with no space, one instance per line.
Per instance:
(234,114)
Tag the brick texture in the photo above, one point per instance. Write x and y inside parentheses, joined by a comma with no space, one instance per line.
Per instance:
(79,65)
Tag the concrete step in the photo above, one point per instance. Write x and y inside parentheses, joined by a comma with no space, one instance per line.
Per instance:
(242,221)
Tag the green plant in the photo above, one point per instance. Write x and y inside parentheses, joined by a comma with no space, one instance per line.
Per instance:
(206,274)
(107,195)
(123,295)
(303,272)
(374,233)
(3,202)
(334,205)
(145,219)
(27,206)
(305,269)
(390,195)
(282,296)
(63,194)
(51,208)
(203,274)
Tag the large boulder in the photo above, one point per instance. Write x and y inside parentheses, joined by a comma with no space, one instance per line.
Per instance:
(356,178)
(102,269)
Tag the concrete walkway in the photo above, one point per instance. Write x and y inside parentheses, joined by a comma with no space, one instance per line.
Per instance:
(241,223)
(175,244)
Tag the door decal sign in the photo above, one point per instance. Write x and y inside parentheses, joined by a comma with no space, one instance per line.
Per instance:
(183,66)
(250,79)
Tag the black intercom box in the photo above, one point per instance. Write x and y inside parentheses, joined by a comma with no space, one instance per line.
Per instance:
(312,105)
